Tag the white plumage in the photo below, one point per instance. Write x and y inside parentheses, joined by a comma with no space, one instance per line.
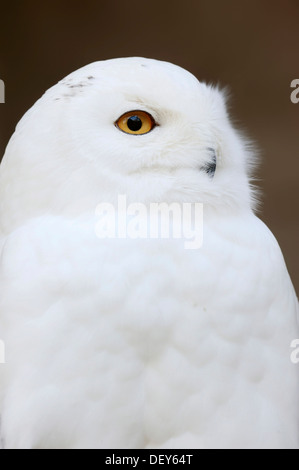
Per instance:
(123,343)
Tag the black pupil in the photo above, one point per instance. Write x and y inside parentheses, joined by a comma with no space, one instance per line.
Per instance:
(134,123)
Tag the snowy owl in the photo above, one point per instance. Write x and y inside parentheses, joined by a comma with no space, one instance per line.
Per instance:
(137,341)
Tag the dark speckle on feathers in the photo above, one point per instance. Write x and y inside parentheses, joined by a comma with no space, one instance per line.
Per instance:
(75,88)
(210,166)
(79,85)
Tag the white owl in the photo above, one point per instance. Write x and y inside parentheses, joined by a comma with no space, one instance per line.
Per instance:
(123,342)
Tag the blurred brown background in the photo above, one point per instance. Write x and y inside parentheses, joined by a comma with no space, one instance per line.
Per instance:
(251,46)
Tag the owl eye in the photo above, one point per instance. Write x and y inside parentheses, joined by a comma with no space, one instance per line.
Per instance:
(136,123)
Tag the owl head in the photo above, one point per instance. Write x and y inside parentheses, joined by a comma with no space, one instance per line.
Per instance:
(140,127)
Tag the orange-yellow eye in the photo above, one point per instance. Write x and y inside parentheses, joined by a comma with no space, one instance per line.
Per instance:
(136,122)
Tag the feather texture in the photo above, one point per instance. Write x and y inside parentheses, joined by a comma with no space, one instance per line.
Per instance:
(133,343)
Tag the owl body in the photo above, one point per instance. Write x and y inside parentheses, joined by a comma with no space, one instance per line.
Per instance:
(121,342)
